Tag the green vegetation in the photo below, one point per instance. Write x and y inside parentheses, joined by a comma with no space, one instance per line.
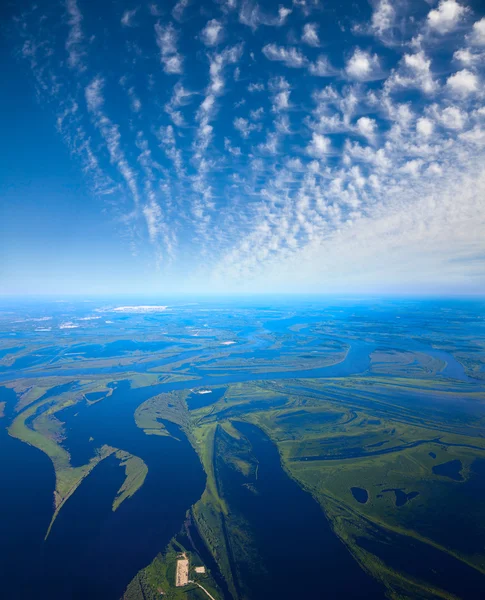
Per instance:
(67,478)
(409,438)
(38,426)
(29,391)
(169,406)
(226,536)
(210,512)
(329,443)
(158,579)
(299,359)
(135,474)
(384,435)
(474,364)
(404,363)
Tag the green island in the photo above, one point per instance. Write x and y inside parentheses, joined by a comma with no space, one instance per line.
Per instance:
(37,425)
(378,473)
(387,454)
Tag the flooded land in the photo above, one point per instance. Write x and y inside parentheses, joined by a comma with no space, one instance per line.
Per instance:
(243,450)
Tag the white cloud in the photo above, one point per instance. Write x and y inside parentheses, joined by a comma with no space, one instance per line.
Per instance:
(94,94)
(245,127)
(153,216)
(367,127)
(319,145)
(363,66)
(446,17)
(475,136)
(75,37)
(128,18)
(166,38)
(234,150)
(270,146)
(257,114)
(310,34)
(291,57)
(463,83)
(212,33)
(111,135)
(135,102)
(382,18)
(253,16)
(413,71)
(204,201)
(180,97)
(322,67)
(136,309)
(281,101)
(424,127)
(179,9)
(154,10)
(256,87)
(477,35)
(451,117)
(468,58)
(376,162)
(166,136)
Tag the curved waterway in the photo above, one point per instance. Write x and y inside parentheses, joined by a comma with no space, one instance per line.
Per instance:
(298,555)
(356,361)
(96,551)
(93,552)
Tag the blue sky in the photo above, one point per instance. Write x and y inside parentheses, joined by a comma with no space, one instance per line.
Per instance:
(236,146)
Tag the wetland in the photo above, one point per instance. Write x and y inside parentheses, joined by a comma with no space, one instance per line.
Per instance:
(276,446)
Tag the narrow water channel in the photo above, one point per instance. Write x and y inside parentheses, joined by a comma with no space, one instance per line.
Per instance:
(88,534)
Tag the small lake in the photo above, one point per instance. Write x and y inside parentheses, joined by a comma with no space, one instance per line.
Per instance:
(401,497)
(451,469)
(355,362)
(360,494)
(197,399)
(93,552)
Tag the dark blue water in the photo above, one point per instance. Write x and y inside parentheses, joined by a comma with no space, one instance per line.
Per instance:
(424,562)
(355,362)
(196,400)
(360,494)
(30,360)
(26,505)
(451,469)
(401,497)
(93,553)
(127,540)
(298,555)
(78,553)
(5,351)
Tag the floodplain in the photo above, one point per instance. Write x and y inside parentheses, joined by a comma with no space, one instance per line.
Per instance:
(265,443)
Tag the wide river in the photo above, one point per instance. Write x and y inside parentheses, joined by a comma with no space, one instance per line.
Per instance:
(93,552)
